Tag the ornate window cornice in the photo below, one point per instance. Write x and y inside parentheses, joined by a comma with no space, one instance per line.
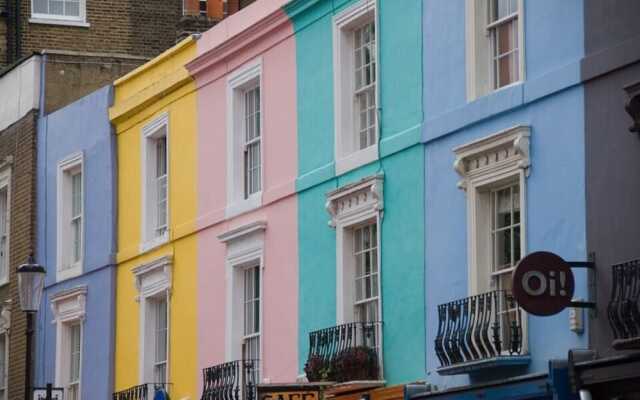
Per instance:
(353,200)
(154,277)
(502,151)
(69,305)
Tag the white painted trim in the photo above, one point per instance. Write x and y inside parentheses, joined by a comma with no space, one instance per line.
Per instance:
(5,181)
(69,308)
(51,21)
(63,271)
(245,248)
(344,127)
(248,74)
(347,204)
(62,19)
(471,48)
(243,230)
(484,164)
(152,280)
(149,131)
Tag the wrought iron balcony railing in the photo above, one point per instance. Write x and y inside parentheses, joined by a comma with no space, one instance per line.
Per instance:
(344,353)
(234,380)
(146,391)
(480,327)
(624,307)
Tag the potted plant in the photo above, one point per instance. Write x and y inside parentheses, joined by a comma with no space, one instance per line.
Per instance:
(317,369)
(356,364)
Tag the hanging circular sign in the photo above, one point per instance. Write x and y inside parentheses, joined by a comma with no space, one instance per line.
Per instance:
(543,283)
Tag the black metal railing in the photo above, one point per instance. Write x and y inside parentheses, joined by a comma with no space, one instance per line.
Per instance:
(234,380)
(478,327)
(146,391)
(624,307)
(343,353)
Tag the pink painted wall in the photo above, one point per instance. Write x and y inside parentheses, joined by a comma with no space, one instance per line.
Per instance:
(279,209)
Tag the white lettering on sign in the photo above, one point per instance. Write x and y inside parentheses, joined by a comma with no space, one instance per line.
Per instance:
(551,283)
(526,278)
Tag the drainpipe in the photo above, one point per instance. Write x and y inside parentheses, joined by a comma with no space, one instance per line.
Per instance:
(17,38)
(44,125)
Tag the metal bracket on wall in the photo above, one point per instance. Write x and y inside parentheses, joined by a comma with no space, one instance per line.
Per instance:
(633,106)
(591,283)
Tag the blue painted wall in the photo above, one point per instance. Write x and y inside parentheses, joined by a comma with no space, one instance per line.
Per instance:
(402,250)
(551,102)
(82,126)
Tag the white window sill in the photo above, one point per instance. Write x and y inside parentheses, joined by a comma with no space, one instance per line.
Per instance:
(356,159)
(4,282)
(69,272)
(155,242)
(55,21)
(242,206)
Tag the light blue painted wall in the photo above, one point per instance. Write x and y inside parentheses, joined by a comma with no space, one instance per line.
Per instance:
(402,250)
(550,101)
(82,126)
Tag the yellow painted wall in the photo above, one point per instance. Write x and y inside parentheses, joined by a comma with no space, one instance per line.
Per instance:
(161,86)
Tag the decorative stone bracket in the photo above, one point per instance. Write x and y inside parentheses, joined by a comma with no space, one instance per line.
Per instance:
(356,198)
(502,151)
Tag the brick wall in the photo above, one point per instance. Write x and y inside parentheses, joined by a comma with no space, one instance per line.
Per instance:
(132,27)
(19,141)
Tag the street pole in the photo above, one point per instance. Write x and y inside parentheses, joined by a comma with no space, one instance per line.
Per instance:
(27,379)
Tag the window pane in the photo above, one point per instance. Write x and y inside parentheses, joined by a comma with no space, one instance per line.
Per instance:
(76,194)
(56,7)
(41,6)
(161,330)
(3,367)
(72,8)
(74,356)
(4,233)
(161,156)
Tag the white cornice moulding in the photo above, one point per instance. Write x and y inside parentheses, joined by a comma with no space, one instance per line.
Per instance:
(153,277)
(507,149)
(69,305)
(366,195)
(241,231)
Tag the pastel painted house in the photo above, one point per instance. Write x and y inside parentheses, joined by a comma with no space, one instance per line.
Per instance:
(154,118)
(360,190)
(247,210)
(504,177)
(76,243)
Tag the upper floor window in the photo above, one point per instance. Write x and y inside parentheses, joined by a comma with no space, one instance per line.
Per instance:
(69,311)
(365,254)
(251,334)
(159,308)
(494,45)
(70,217)
(4,234)
(74,332)
(70,10)
(355,54)
(245,139)
(155,182)
(153,281)
(202,5)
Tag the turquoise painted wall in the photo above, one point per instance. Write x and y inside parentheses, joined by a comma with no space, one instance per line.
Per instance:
(402,161)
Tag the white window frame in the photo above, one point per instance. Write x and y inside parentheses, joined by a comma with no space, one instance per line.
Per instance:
(55,19)
(66,268)
(5,325)
(245,78)
(483,165)
(69,308)
(479,56)
(245,249)
(347,154)
(153,281)
(150,133)
(5,184)
(351,207)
